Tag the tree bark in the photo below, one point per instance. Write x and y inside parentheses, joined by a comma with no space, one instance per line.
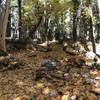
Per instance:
(3,23)
(91,26)
(20,17)
(75,8)
(98,24)
(92,36)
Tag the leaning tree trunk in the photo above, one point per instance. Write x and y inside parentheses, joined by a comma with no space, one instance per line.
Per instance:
(4,12)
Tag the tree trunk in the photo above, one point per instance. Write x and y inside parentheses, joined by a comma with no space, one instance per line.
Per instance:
(92,36)
(91,26)
(98,24)
(74,28)
(20,17)
(9,27)
(3,22)
(75,8)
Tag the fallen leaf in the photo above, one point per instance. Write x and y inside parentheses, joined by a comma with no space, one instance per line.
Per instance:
(46,91)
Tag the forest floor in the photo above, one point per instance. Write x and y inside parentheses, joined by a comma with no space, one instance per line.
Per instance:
(49,75)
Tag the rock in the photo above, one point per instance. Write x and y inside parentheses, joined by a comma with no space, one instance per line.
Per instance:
(53,93)
(90,58)
(89,80)
(74,97)
(13,58)
(97,78)
(66,75)
(86,75)
(49,64)
(90,55)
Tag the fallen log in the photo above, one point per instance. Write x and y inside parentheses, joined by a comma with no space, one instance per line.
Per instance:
(70,51)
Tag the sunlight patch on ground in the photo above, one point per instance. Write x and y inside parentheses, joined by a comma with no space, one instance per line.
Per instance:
(45,43)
